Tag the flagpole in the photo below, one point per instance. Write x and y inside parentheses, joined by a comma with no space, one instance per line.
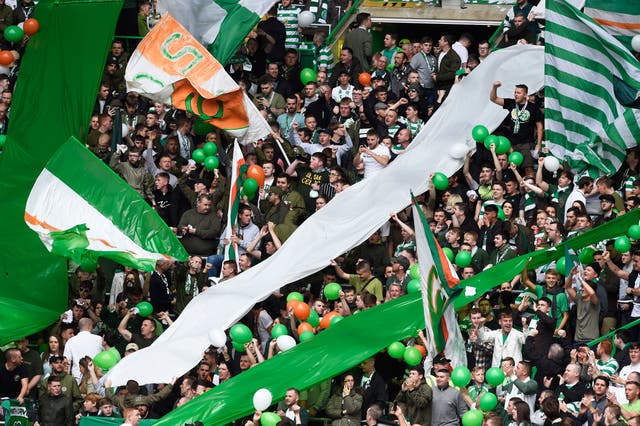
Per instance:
(279,143)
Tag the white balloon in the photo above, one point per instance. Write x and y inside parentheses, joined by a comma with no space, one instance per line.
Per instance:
(459,151)
(262,399)
(217,337)
(551,163)
(125,130)
(305,18)
(635,43)
(285,342)
(21,25)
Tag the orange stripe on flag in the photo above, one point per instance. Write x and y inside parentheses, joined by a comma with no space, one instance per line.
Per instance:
(33,220)
(616,24)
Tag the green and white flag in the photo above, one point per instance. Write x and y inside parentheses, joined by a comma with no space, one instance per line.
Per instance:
(220,25)
(80,220)
(587,74)
(621,18)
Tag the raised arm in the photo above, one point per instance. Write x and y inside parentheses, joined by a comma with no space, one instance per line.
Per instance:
(539,179)
(493,95)
(122,327)
(339,272)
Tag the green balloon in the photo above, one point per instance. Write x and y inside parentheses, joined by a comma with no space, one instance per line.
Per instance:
(202,128)
(622,244)
(463,259)
(414,271)
(307,75)
(250,185)
(294,295)
(488,401)
(314,318)
(479,133)
(472,418)
(491,139)
(460,376)
(561,266)
(412,356)
(633,232)
(440,181)
(278,330)
(105,360)
(13,34)
(449,253)
(494,376)
(116,354)
(413,286)
(516,158)
(240,333)
(198,155)
(504,145)
(3,140)
(336,320)
(306,335)
(210,149)
(269,419)
(239,347)
(144,309)
(586,255)
(396,350)
(211,163)
(332,291)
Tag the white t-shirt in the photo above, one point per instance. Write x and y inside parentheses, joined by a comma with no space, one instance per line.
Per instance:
(461,51)
(371,166)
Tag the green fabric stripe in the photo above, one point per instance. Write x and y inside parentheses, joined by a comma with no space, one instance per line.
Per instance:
(331,352)
(566,77)
(576,105)
(52,101)
(616,6)
(556,115)
(502,272)
(235,27)
(116,200)
(631,119)
(592,40)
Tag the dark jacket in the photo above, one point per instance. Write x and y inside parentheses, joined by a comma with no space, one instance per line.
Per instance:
(446,73)
(56,411)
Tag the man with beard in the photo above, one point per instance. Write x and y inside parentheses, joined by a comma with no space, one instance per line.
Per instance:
(134,173)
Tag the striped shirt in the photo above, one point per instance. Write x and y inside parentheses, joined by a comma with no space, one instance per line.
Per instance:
(415,127)
(289,17)
(323,58)
(607,368)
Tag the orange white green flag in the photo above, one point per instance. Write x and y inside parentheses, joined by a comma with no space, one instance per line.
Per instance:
(171,66)
(439,283)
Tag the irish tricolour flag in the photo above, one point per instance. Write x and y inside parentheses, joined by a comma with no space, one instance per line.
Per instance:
(78,216)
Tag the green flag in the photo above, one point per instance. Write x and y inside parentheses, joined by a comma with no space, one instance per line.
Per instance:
(59,78)
(585,67)
(621,18)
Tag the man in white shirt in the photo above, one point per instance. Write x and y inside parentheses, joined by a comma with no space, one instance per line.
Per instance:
(507,341)
(375,156)
(461,48)
(81,345)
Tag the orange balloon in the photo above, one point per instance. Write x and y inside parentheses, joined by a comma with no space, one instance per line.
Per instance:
(364,78)
(325,322)
(31,26)
(422,350)
(256,172)
(304,326)
(291,304)
(301,311)
(6,58)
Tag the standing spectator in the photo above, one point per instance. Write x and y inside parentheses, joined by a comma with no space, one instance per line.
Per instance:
(390,47)
(345,406)
(14,380)
(375,156)
(33,364)
(160,287)
(417,395)
(425,63)
(484,49)
(288,15)
(448,64)
(55,408)
(448,405)
(507,341)
(462,48)
(291,409)
(588,306)
(322,54)
(81,345)
(347,63)
(375,390)
(271,38)
(359,40)
(200,227)
(527,122)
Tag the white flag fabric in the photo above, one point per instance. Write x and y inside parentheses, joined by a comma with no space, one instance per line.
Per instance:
(341,224)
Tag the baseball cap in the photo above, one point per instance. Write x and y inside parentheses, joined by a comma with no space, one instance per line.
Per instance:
(131,347)
(112,60)
(327,131)
(275,190)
